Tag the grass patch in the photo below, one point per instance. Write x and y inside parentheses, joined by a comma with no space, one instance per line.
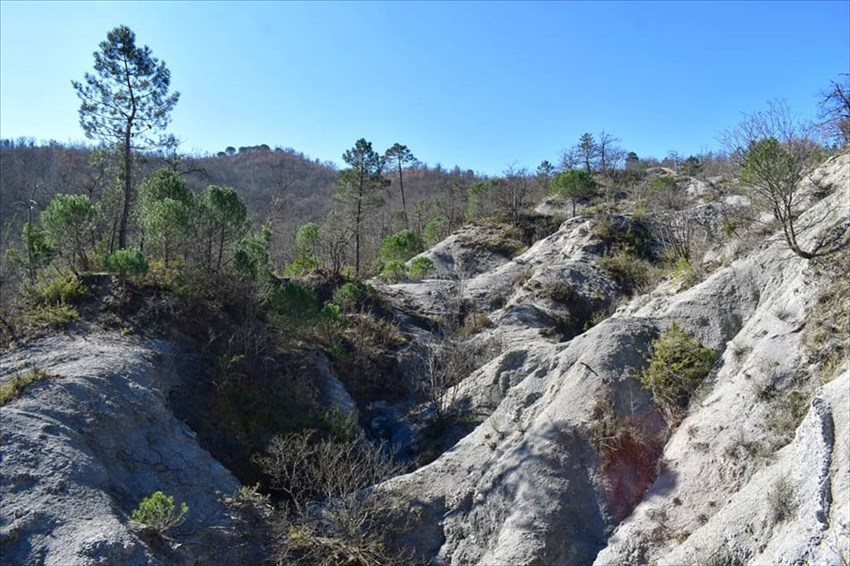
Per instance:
(782,500)
(473,324)
(787,412)
(51,316)
(15,387)
(630,273)
(825,336)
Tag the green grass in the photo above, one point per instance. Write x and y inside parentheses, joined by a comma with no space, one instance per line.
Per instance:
(15,387)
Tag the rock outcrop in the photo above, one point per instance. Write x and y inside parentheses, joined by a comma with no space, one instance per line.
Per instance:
(732,482)
(83,446)
(756,471)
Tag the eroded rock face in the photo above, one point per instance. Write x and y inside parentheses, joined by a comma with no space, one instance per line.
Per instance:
(528,485)
(532,483)
(82,448)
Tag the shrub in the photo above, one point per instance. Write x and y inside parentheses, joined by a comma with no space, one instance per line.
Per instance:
(677,366)
(782,499)
(787,412)
(394,271)
(159,512)
(330,323)
(301,265)
(434,231)
(623,234)
(127,262)
(401,246)
(420,267)
(558,291)
(61,290)
(473,324)
(595,318)
(296,303)
(67,221)
(348,296)
(51,316)
(630,273)
(355,525)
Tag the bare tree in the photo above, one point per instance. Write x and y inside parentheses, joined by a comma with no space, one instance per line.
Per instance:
(776,152)
(835,109)
(511,195)
(334,238)
(610,154)
(570,159)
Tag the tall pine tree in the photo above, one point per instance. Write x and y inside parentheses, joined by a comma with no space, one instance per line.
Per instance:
(125,102)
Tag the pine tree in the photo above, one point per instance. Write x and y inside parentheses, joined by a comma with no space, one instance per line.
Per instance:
(125,102)
(359,188)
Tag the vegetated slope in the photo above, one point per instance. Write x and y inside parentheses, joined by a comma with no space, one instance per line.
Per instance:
(573,462)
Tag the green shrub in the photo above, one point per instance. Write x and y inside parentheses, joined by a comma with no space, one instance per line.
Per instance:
(301,265)
(251,260)
(677,366)
(633,238)
(420,267)
(349,295)
(127,262)
(330,323)
(558,291)
(663,183)
(295,302)
(51,316)
(159,512)
(401,246)
(60,290)
(434,231)
(394,271)
(595,318)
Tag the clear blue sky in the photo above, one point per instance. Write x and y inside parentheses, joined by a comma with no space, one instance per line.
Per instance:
(480,84)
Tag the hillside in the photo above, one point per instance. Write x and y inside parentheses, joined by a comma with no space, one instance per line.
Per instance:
(547,449)
(755,471)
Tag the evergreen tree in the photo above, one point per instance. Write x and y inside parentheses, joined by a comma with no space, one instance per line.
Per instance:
(400,155)
(359,189)
(574,185)
(125,102)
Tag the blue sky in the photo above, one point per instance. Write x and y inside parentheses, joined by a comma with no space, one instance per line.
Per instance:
(481,84)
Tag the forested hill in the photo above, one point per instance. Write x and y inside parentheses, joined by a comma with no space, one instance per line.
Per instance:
(279,185)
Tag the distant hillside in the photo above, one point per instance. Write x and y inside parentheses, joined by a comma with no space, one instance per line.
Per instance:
(279,184)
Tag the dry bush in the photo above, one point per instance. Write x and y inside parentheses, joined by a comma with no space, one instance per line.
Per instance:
(331,515)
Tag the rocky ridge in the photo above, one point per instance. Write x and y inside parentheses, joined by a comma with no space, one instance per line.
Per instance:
(527,486)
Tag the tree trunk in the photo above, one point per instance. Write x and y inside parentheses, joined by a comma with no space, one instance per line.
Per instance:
(128,190)
(357,243)
(220,248)
(401,188)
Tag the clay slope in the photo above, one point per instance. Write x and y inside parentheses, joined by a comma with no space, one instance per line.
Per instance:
(528,485)
(82,447)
